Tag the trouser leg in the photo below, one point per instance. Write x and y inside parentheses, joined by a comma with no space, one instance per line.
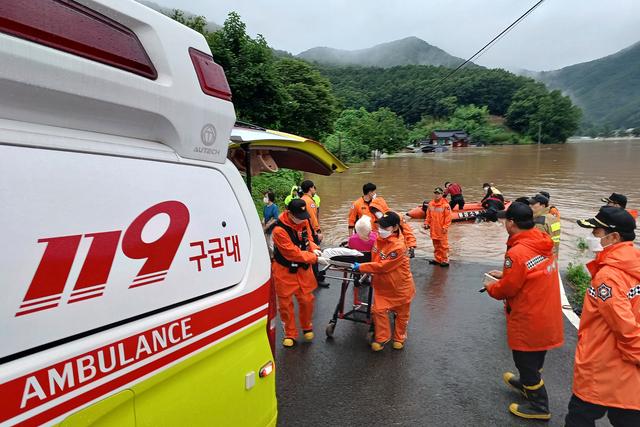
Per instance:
(583,414)
(529,364)
(444,247)
(402,322)
(380,319)
(285,307)
(305,310)
(437,250)
(452,203)
(624,417)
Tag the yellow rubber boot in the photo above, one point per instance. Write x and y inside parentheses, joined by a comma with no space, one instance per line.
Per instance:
(288,342)
(376,346)
(397,345)
(537,406)
(308,336)
(512,381)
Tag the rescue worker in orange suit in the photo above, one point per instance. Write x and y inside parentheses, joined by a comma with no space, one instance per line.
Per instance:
(529,284)
(293,253)
(309,190)
(606,373)
(378,208)
(620,201)
(438,220)
(392,283)
(552,209)
(360,207)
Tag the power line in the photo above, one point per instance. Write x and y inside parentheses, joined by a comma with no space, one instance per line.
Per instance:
(493,41)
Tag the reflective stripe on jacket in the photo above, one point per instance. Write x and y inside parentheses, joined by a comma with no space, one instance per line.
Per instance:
(551,225)
(607,363)
(531,288)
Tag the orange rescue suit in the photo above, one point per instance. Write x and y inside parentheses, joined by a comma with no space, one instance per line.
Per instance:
(360,208)
(406,232)
(607,362)
(531,287)
(313,212)
(438,220)
(302,283)
(392,285)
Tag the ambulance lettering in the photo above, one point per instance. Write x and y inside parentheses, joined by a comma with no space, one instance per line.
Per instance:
(52,273)
(71,374)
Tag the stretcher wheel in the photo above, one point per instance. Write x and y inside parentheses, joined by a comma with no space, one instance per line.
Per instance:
(330,328)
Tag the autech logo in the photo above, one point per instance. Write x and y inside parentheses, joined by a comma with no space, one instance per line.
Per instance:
(208,135)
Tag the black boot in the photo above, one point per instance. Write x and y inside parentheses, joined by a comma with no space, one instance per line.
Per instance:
(512,381)
(537,405)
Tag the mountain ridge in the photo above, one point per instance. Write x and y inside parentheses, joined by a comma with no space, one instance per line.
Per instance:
(406,51)
(607,89)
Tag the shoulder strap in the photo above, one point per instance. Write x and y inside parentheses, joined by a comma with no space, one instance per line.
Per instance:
(293,235)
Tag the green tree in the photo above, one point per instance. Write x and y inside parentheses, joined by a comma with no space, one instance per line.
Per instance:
(534,108)
(197,23)
(310,106)
(250,67)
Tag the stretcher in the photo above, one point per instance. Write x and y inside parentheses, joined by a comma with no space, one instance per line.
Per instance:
(360,311)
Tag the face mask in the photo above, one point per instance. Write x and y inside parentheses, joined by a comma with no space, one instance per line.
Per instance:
(374,196)
(378,214)
(486,188)
(265,200)
(594,244)
(384,233)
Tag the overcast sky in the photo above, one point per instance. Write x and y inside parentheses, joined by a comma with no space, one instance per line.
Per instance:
(557,34)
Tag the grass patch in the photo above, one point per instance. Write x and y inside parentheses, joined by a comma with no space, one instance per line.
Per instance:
(582,244)
(279,182)
(579,279)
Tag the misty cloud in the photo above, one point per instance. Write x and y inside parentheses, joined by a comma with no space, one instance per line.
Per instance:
(557,34)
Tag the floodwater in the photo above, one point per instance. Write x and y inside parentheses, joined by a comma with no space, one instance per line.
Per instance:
(576,174)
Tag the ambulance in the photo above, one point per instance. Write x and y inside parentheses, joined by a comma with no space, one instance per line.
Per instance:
(134,271)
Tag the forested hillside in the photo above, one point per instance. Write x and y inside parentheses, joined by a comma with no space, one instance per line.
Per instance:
(607,89)
(407,51)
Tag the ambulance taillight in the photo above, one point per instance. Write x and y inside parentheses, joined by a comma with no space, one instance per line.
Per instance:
(76,29)
(271,317)
(210,75)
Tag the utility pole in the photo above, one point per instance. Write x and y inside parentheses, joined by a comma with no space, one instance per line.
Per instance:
(539,131)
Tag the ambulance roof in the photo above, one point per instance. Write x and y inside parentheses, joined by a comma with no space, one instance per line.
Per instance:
(113,67)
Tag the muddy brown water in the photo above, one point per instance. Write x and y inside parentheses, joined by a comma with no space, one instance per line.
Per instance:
(576,174)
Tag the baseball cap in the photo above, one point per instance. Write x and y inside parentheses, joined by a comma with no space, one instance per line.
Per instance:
(298,208)
(520,213)
(539,198)
(619,199)
(611,218)
(389,219)
(438,190)
(545,194)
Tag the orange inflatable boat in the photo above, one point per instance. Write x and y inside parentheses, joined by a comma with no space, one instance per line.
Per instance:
(470,211)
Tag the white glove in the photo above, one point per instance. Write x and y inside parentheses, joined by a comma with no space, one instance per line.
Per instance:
(323,261)
(318,252)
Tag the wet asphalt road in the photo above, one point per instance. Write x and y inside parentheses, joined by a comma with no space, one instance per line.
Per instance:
(449,374)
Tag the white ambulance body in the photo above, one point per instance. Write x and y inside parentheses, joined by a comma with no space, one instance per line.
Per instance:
(135,275)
